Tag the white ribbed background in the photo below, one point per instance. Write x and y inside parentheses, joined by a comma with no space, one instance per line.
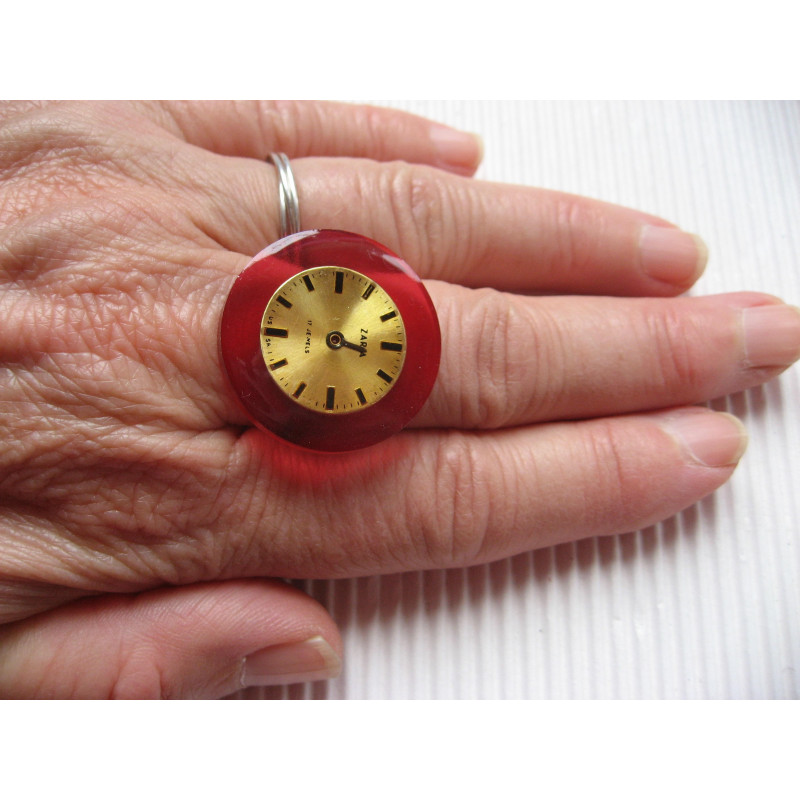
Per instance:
(705,605)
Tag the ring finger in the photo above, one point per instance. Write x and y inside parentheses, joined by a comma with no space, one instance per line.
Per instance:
(463,231)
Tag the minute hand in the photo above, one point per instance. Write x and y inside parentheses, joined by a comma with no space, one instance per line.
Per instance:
(356,347)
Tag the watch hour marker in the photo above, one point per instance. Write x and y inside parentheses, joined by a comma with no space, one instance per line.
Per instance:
(361,398)
(368,291)
(339,282)
(308,283)
(384,376)
(278,364)
(283,301)
(299,390)
(395,347)
(330,396)
(279,333)
(387,317)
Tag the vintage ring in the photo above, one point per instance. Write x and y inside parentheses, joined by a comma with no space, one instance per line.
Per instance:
(329,339)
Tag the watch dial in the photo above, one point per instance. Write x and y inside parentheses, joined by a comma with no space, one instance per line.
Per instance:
(333,340)
(329,357)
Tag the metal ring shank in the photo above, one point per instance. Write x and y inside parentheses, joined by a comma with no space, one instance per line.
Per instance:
(287,191)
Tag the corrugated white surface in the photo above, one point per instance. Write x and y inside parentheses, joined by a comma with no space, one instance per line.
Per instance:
(704,605)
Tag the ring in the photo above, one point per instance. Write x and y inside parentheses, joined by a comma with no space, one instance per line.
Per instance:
(330,340)
(287,194)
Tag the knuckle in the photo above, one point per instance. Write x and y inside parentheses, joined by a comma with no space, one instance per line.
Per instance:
(371,124)
(455,529)
(84,244)
(421,207)
(74,151)
(288,125)
(63,133)
(495,338)
(301,128)
(574,249)
(610,475)
(432,218)
(674,356)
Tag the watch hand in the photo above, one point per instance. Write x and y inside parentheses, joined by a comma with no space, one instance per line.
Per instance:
(335,340)
(358,348)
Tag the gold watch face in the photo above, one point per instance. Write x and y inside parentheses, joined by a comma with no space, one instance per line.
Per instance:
(333,340)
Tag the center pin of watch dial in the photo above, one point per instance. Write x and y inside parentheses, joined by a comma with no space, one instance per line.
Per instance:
(333,340)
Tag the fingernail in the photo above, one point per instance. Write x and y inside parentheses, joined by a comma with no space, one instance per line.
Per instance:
(771,335)
(457,151)
(297,662)
(710,438)
(671,255)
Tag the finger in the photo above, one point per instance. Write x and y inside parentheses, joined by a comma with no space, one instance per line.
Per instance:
(445,226)
(224,506)
(540,358)
(509,360)
(298,128)
(462,231)
(560,358)
(199,641)
(429,500)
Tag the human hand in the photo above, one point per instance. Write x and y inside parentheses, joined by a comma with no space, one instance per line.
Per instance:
(131,480)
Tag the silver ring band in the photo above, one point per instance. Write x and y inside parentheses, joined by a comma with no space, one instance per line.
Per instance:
(287,191)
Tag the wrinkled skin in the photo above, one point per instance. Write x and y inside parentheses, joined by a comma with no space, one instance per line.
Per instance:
(144,523)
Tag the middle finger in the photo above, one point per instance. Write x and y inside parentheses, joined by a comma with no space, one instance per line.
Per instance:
(509,360)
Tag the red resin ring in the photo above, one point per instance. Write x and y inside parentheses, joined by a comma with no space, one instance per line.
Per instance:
(273,408)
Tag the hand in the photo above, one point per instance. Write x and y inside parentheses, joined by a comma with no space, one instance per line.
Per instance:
(141,516)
